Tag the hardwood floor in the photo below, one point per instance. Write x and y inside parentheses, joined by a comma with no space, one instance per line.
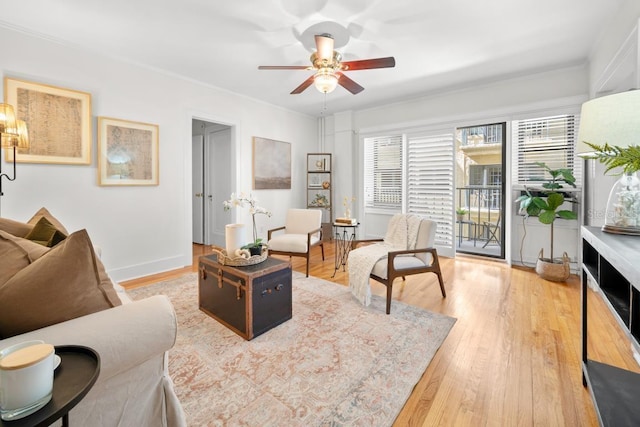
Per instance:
(513,356)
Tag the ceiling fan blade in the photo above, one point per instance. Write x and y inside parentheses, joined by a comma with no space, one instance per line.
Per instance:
(324,43)
(367,64)
(349,84)
(305,84)
(283,67)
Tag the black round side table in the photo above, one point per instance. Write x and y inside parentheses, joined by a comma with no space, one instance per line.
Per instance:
(72,380)
(343,244)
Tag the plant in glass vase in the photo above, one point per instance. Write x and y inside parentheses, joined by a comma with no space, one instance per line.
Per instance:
(623,206)
(242,200)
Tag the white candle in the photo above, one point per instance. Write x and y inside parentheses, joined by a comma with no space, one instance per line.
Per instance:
(234,238)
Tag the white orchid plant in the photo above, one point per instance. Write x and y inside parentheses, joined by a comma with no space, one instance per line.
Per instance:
(242,200)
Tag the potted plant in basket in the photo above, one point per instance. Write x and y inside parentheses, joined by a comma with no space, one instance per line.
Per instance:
(241,200)
(546,204)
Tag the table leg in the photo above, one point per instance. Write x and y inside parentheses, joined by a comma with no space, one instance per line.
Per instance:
(342,249)
(65,420)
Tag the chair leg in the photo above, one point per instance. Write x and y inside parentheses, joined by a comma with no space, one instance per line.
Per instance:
(444,293)
(307,264)
(389,288)
(322,249)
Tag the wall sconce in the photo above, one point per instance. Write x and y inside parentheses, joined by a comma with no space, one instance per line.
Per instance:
(13,134)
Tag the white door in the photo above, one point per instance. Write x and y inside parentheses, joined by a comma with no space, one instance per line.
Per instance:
(198,190)
(217,188)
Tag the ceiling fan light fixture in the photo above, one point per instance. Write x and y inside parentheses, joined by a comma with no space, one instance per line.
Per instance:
(325,80)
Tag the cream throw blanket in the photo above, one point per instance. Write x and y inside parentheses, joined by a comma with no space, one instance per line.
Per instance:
(402,234)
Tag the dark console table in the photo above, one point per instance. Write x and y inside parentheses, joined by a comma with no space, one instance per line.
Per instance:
(613,263)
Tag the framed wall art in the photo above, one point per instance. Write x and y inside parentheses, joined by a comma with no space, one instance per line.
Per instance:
(127,152)
(271,164)
(58,121)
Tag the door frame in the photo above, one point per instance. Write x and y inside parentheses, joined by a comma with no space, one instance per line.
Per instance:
(505,170)
(206,117)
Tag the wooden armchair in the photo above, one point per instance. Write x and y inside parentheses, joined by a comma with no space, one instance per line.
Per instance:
(401,263)
(302,231)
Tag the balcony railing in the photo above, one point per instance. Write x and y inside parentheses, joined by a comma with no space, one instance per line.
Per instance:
(480,229)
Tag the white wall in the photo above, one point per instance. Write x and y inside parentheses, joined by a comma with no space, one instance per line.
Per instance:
(142,230)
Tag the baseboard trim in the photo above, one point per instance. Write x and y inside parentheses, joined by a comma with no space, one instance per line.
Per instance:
(149,268)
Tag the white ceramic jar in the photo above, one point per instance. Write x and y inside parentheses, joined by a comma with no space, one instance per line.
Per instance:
(26,379)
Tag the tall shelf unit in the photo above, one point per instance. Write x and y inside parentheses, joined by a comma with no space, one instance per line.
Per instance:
(320,188)
(612,262)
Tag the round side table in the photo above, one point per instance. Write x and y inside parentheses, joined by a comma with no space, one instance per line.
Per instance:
(72,380)
(344,238)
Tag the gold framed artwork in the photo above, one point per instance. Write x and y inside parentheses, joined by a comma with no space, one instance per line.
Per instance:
(58,121)
(127,152)
(271,164)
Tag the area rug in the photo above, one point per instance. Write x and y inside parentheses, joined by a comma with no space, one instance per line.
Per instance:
(335,363)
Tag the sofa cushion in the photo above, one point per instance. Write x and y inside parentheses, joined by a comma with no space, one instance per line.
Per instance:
(14,256)
(45,233)
(16,228)
(63,284)
(43,212)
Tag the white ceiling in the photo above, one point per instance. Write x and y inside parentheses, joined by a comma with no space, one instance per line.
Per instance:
(438,45)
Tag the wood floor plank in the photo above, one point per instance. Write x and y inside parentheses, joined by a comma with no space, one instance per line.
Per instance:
(513,356)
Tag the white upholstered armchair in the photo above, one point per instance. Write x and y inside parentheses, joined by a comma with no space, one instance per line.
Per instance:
(406,249)
(301,232)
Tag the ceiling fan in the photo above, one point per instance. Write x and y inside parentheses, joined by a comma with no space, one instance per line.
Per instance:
(329,68)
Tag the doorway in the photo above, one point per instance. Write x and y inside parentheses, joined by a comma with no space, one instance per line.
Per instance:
(212,180)
(480,176)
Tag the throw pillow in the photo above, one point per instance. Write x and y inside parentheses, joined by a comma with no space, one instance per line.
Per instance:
(15,254)
(19,229)
(63,284)
(45,233)
(43,212)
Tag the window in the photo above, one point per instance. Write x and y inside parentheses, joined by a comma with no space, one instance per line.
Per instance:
(477,135)
(550,140)
(383,172)
(484,175)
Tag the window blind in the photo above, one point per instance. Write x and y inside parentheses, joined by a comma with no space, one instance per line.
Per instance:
(383,172)
(430,181)
(551,140)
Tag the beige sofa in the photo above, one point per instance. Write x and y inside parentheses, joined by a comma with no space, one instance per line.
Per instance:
(132,338)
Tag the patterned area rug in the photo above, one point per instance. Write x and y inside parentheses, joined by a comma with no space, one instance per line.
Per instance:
(335,363)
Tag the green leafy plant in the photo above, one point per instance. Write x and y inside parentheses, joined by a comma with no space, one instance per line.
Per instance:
(320,200)
(461,211)
(547,206)
(627,158)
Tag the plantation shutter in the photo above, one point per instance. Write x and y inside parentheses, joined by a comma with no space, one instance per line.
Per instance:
(551,140)
(430,183)
(383,173)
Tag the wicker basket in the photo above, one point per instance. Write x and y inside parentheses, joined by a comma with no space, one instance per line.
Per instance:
(557,270)
(239,261)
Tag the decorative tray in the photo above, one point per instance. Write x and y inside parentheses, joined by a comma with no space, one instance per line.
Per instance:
(239,261)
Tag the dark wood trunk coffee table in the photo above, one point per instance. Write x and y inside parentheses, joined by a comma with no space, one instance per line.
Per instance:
(248,300)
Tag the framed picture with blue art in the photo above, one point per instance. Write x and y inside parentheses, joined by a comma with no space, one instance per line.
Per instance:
(271,164)
(127,152)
